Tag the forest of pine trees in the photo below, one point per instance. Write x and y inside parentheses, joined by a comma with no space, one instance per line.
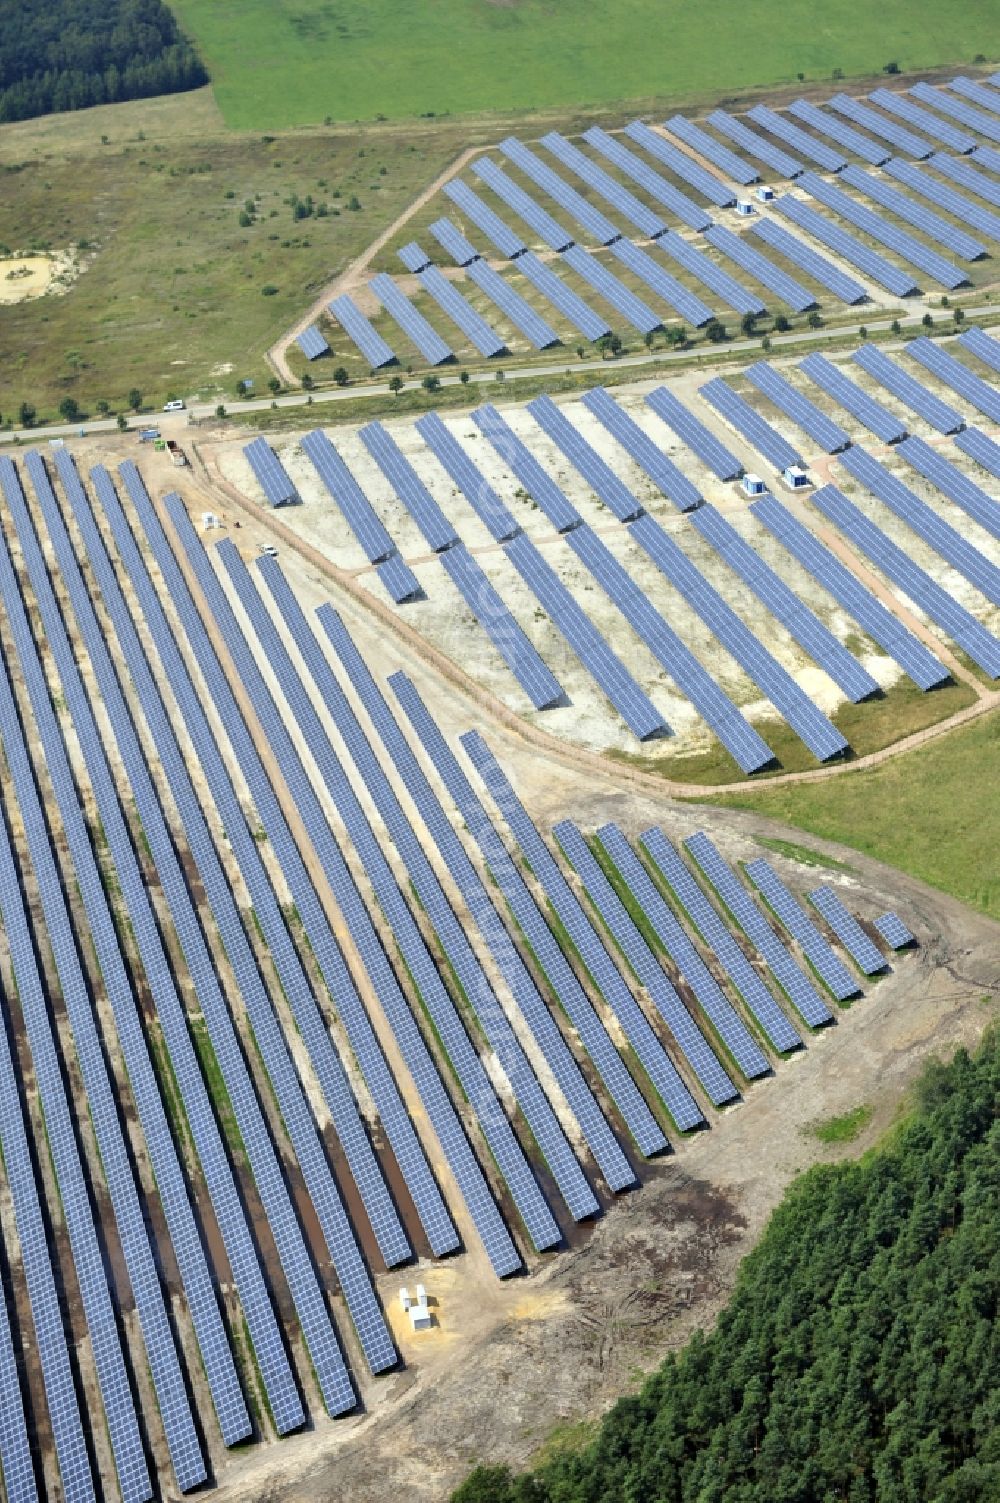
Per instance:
(859,1357)
(70,54)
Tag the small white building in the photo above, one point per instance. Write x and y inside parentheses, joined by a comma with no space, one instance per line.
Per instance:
(765,194)
(795,477)
(745,209)
(753,485)
(210,519)
(417,1308)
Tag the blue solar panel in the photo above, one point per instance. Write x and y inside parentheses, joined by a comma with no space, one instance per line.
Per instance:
(687,1036)
(624,428)
(408,486)
(604,282)
(520,312)
(270,473)
(262,1325)
(496,230)
(354,324)
(807,146)
(878,125)
(715,933)
(748,749)
(312,343)
(831,379)
(590,324)
(961,554)
(896,565)
(931,125)
(794,404)
(412,257)
(988,157)
(673,293)
(880,230)
(590,219)
(713,277)
(720,156)
(909,391)
(581,934)
(767,274)
(453,242)
(985,451)
(527,915)
(657,186)
(854,141)
(956,375)
(15,1448)
(845,926)
(965,176)
(717,1007)
(847,246)
(979,343)
(741,416)
(958,109)
(953,483)
(796,617)
(831,970)
(692,432)
(923,219)
(680,164)
(523,660)
(881,625)
(757,146)
(894,931)
(464,473)
(398,580)
(424,337)
(614,493)
(357,510)
(630,207)
(472,324)
(536,482)
(745,912)
(822,738)
(594,652)
(979,93)
(550,231)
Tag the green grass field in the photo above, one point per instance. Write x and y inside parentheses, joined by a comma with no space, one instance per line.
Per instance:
(294,62)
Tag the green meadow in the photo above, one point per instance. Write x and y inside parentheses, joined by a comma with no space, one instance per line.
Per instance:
(278,63)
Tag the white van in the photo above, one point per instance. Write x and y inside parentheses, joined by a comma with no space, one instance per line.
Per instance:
(177,406)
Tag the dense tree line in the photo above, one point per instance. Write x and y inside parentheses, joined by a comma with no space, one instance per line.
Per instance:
(859,1357)
(70,54)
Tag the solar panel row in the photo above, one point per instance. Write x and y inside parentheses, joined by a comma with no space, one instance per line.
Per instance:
(985,451)
(830,969)
(398,580)
(413,257)
(831,379)
(421,333)
(878,125)
(806,145)
(636,441)
(755,429)
(966,114)
(854,141)
(628,206)
(654,183)
(680,164)
(573,308)
(358,329)
(758,146)
(943,196)
(715,191)
(979,343)
(604,282)
(810,418)
(591,220)
(909,391)
(979,93)
(712,276)
(494,514)
(952,483)
(767,274)
(894,931)
(510,302)
(357,510)
(931,125)
(408,486)
(965,176)
(929,224)
(956,375)
(312,343)
(673,293)
(880,230)
(844,288)
(507,636)
(496,230)
(532,478)
(845,926)
(693,433)
(453,242)
(270,473)
(461,312)
(601,478)
(847,246)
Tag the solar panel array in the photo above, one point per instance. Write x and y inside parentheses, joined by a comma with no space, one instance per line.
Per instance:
(654,183)
(600,660)
(878,125)
(770,276)
(408,486)
(673,293)
(639,314)
(755,429)
(845,926)
(601,478)
(533,480)
(461,312)
(357,328)
(680,164)
(979,93)
(453,242)
(929,223)
(671,934)
(693,433)
(979,343)
(398,580)
(608,980)
(956,375)
(628,206)
(854,141)
(357,510)
(909,391)
(636,441)
(953,483)
(715,933)
(822,738)
(806,145)
(427,340)
(988,156)
(520,312)
(844,288)
(894,931)
(412,257)
(597,226)
(830,969)
(796,617)
(847,394)
(494,514)
(549,230)
(962,555)
(573,308)
(507,636)
(713,277)
(942,608)
(880,230)
(966,176)
(786,971)
(758,146)
(985,451)
(958,109)
(312,343)
(687,1036)
(931,125)
(945,197)
(496,230)
(529,919)
(847,246)
(715,191)
(794,404)
(882,626)
(270,473)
